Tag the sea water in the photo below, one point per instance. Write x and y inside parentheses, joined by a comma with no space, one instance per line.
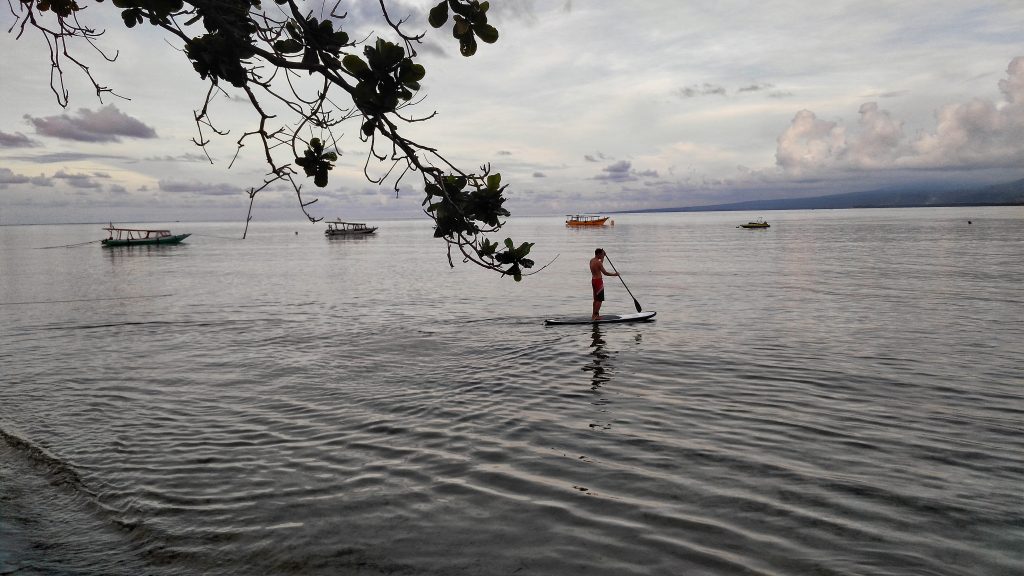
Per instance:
(841,393)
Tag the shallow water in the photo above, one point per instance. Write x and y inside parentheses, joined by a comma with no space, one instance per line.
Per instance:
(838,394)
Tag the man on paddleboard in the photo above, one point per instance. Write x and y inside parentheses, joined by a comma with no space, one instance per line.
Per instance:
(597,282)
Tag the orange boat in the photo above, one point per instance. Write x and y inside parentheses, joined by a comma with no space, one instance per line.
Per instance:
(585,220)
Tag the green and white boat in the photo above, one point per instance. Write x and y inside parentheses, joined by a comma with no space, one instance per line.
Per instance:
(140,236)
(336,228)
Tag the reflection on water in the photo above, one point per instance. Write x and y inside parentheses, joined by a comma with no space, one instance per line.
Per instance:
(599,367)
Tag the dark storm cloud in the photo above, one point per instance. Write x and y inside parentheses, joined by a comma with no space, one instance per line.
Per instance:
(108,124)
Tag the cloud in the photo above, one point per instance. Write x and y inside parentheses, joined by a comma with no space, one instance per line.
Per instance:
(756,87)
(622,171)
(539,175)
(1012,87)
(892,94)
(16,140)
(972,135)
(77,180)
(200,188)
(978,133)
(878,140)
(107,124)
(703,90)
(708,89)
(61,157)
(187,157)
(808,143)
(42,180)
(7,177)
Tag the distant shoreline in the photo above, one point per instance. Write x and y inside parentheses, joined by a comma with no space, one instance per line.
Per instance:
(1005,194)
(863,207)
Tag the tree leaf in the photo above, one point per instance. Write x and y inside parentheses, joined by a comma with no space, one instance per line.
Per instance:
(355,65)
(310,58)
(467,46)
(486,32)
(321,177)
(439,14)
(288,46)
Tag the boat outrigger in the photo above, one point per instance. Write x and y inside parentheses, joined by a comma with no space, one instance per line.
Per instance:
(339,228)
(759,223)
(585,220)
(139,236)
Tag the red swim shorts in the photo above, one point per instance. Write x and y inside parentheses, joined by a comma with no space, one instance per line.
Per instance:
(598,285)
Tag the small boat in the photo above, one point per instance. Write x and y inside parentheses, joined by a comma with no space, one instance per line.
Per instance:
(759,223)
(339,228)
(585,220)
(139,236)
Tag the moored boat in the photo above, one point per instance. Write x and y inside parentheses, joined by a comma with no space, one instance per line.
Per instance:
(585,220)
(140,236)
(339,228)
(759,223)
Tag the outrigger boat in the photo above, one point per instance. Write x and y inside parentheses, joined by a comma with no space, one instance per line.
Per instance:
(759,223)
(585,220)
(138,236)
(339,228)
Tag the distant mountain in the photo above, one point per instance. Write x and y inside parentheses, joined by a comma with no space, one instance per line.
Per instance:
(1008,194)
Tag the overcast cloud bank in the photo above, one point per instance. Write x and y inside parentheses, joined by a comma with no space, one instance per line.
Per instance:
(683,106)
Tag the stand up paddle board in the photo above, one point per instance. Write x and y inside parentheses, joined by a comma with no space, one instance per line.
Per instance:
(605,319)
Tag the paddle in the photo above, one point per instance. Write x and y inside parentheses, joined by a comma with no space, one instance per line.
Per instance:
(635,301)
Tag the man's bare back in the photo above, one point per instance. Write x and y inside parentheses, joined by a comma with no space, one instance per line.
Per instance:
(597,282)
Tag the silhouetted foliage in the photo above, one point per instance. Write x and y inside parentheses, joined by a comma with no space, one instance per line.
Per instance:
(271,55)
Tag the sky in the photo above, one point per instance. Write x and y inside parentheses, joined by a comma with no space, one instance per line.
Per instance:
(582,106)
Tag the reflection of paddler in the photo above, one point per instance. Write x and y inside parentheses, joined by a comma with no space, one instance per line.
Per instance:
(597,282)
(601,374)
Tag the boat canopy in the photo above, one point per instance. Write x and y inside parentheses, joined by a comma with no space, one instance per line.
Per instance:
(340,225)
(585,220)
(135,233)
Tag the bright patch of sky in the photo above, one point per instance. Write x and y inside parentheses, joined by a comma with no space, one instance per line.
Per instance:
(582,106)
